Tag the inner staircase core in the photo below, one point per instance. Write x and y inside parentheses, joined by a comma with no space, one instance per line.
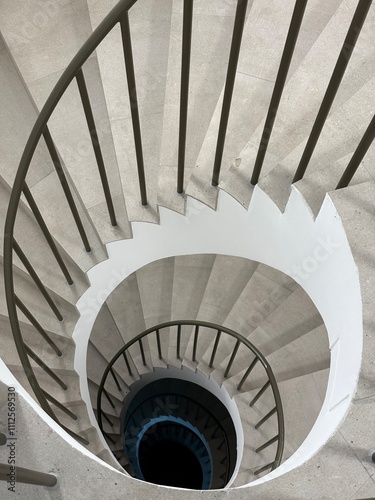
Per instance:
(187,249)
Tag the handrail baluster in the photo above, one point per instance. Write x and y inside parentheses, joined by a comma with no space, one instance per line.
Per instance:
(132,89)
(358,155)
(334,84)
(184,91)
(239,24)
(46,233)
(21,306)
(86,103)
(286,58)
(38,282)
(65,186)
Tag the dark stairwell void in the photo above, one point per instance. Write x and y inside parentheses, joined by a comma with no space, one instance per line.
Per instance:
(176,433)
(169,454)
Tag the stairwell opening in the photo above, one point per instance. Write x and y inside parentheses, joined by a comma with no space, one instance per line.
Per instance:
(268,303)
(177,433)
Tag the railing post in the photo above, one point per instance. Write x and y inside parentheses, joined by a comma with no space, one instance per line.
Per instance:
(184,92)
(38,282)
(27,476)
(65,186)
(45,367)
(358,155)
(239,24)
(130,75)
(43,226)
(95,143)
(214,350)
(21,306)
(333,86)
(290,43)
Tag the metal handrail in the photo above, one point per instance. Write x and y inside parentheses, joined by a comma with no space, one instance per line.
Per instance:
(280,437)
(20,187)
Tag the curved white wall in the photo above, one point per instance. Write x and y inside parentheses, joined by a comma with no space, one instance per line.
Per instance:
(315,253)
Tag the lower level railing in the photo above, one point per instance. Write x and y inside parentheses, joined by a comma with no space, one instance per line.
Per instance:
(123,360)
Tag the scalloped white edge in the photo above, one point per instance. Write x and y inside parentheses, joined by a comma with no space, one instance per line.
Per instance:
(261,233)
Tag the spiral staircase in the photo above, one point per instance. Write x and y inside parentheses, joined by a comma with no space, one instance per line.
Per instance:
(147,261)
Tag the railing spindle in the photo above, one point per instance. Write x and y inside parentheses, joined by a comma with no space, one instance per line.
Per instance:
(266,417)
(59,405)
(230,363)
(109,398)
(25,261)
(142,352)
(130,75)
(27,476)
(95,143)
(178,342)
(358,155)
(157,332)
(333,86)
(107,436)
(107,418)
(21,306)
(65,186)
(263,469)
(290,43)
(239,24)
(195,343)
(184,92)
(259,393)
(115,379)
(46,368)
(127,364)
(217,340)
(43,226)
(267,444)
(247,373)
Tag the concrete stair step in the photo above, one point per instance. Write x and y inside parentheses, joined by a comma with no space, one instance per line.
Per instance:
(228,278)
(105,405)
(96,366)
(256,73)
(28,234)
(211,39)
(34,301)
(191,277)
(315,186)
(308,84)
(107,427)
(260,298)
(341,135)
(19,113)
(155,283)
(67,124)
(108,457)
(149,20)
(106,338)
(307,354)
(302,401)
(125,309)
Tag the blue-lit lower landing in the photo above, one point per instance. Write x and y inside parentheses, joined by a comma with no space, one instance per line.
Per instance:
(176,433)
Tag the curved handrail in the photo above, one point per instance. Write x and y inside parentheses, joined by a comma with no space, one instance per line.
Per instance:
(219,328)
(19,184)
